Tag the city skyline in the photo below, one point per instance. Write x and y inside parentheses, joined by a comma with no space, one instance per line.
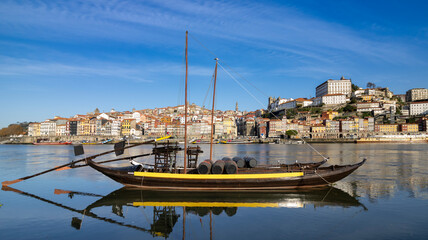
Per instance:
(64,58)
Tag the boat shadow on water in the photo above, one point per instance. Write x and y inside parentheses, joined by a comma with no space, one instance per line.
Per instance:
(166,205)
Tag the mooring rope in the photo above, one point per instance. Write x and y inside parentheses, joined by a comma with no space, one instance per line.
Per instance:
(329,183)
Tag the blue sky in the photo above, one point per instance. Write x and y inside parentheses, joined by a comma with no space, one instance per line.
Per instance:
(68,57)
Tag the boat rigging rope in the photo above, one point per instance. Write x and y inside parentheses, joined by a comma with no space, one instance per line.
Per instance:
(270,111)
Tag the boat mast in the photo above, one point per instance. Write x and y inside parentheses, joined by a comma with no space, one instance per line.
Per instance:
(212,111)
(185,115)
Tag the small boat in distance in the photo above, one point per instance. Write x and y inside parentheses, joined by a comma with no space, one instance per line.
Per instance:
(43,142)
(222,175)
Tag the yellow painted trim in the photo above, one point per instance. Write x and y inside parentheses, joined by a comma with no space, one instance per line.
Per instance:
(162,138)
(217,176)
(204,204)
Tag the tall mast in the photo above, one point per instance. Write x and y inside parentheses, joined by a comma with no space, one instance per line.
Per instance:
(212,111)
(185,116)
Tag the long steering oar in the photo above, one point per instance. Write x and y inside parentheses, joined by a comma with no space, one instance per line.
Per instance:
(112,160)
(7,183)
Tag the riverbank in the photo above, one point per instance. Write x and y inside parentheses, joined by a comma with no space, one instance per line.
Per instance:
(250,140)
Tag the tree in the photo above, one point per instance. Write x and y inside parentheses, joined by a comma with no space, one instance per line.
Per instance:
(354,87)
(371,85)
(291,133)
(349,108)
(290,113)
(12,129)
(366,114)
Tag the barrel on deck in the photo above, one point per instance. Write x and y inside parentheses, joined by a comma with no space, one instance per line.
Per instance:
(218,167)
(226,159)
(230,167)
(205,167)
(251,162)
(239,162)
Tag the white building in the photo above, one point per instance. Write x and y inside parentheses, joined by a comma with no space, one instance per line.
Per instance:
(61,130)
(115,127)
(342,86)
(277,104)
(48,128)
(368,107)
(419,108)
(330,99)
(34,129)
(104,116)
(416,94)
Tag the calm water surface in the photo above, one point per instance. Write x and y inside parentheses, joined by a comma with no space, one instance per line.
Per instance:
(387,198)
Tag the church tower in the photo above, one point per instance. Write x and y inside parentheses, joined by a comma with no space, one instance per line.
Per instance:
(236,108)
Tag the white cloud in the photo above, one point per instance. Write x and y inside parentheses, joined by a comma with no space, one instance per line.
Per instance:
(274,27)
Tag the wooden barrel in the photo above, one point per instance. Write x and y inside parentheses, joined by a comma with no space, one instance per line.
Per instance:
(250,162)
(230,167)
(218,167)
(226,159)
(239,162)
(217,210)
(205,167)
(230,211)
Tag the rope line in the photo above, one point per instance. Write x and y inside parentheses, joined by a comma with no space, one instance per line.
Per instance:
(246,90)
(323,178)
(270,111)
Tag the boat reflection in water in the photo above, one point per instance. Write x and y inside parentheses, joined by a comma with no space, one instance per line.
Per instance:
(167,205)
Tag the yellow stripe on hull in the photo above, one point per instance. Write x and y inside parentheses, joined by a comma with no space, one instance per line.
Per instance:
(217,176)
(204,204)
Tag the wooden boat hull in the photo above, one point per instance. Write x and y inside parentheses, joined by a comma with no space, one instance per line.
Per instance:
(265,180)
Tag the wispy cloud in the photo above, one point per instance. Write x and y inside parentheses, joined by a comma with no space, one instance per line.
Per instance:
(18,67)
(289,31)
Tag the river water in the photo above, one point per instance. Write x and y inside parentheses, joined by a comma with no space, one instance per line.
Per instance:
(387,198)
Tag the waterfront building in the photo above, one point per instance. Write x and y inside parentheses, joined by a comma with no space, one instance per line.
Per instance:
(342,86)
(423,125)
(126,127)
(34,129)
(93,126)
(349,125)
(250,127)
(229,126)
(387,128)
(71,127)
(409,127)
(61,130)
(48,128)
(319,128)
(115,127)
(276,127)
(105,129)
(262,127)
(416,94)
(332,126)
(418,108)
